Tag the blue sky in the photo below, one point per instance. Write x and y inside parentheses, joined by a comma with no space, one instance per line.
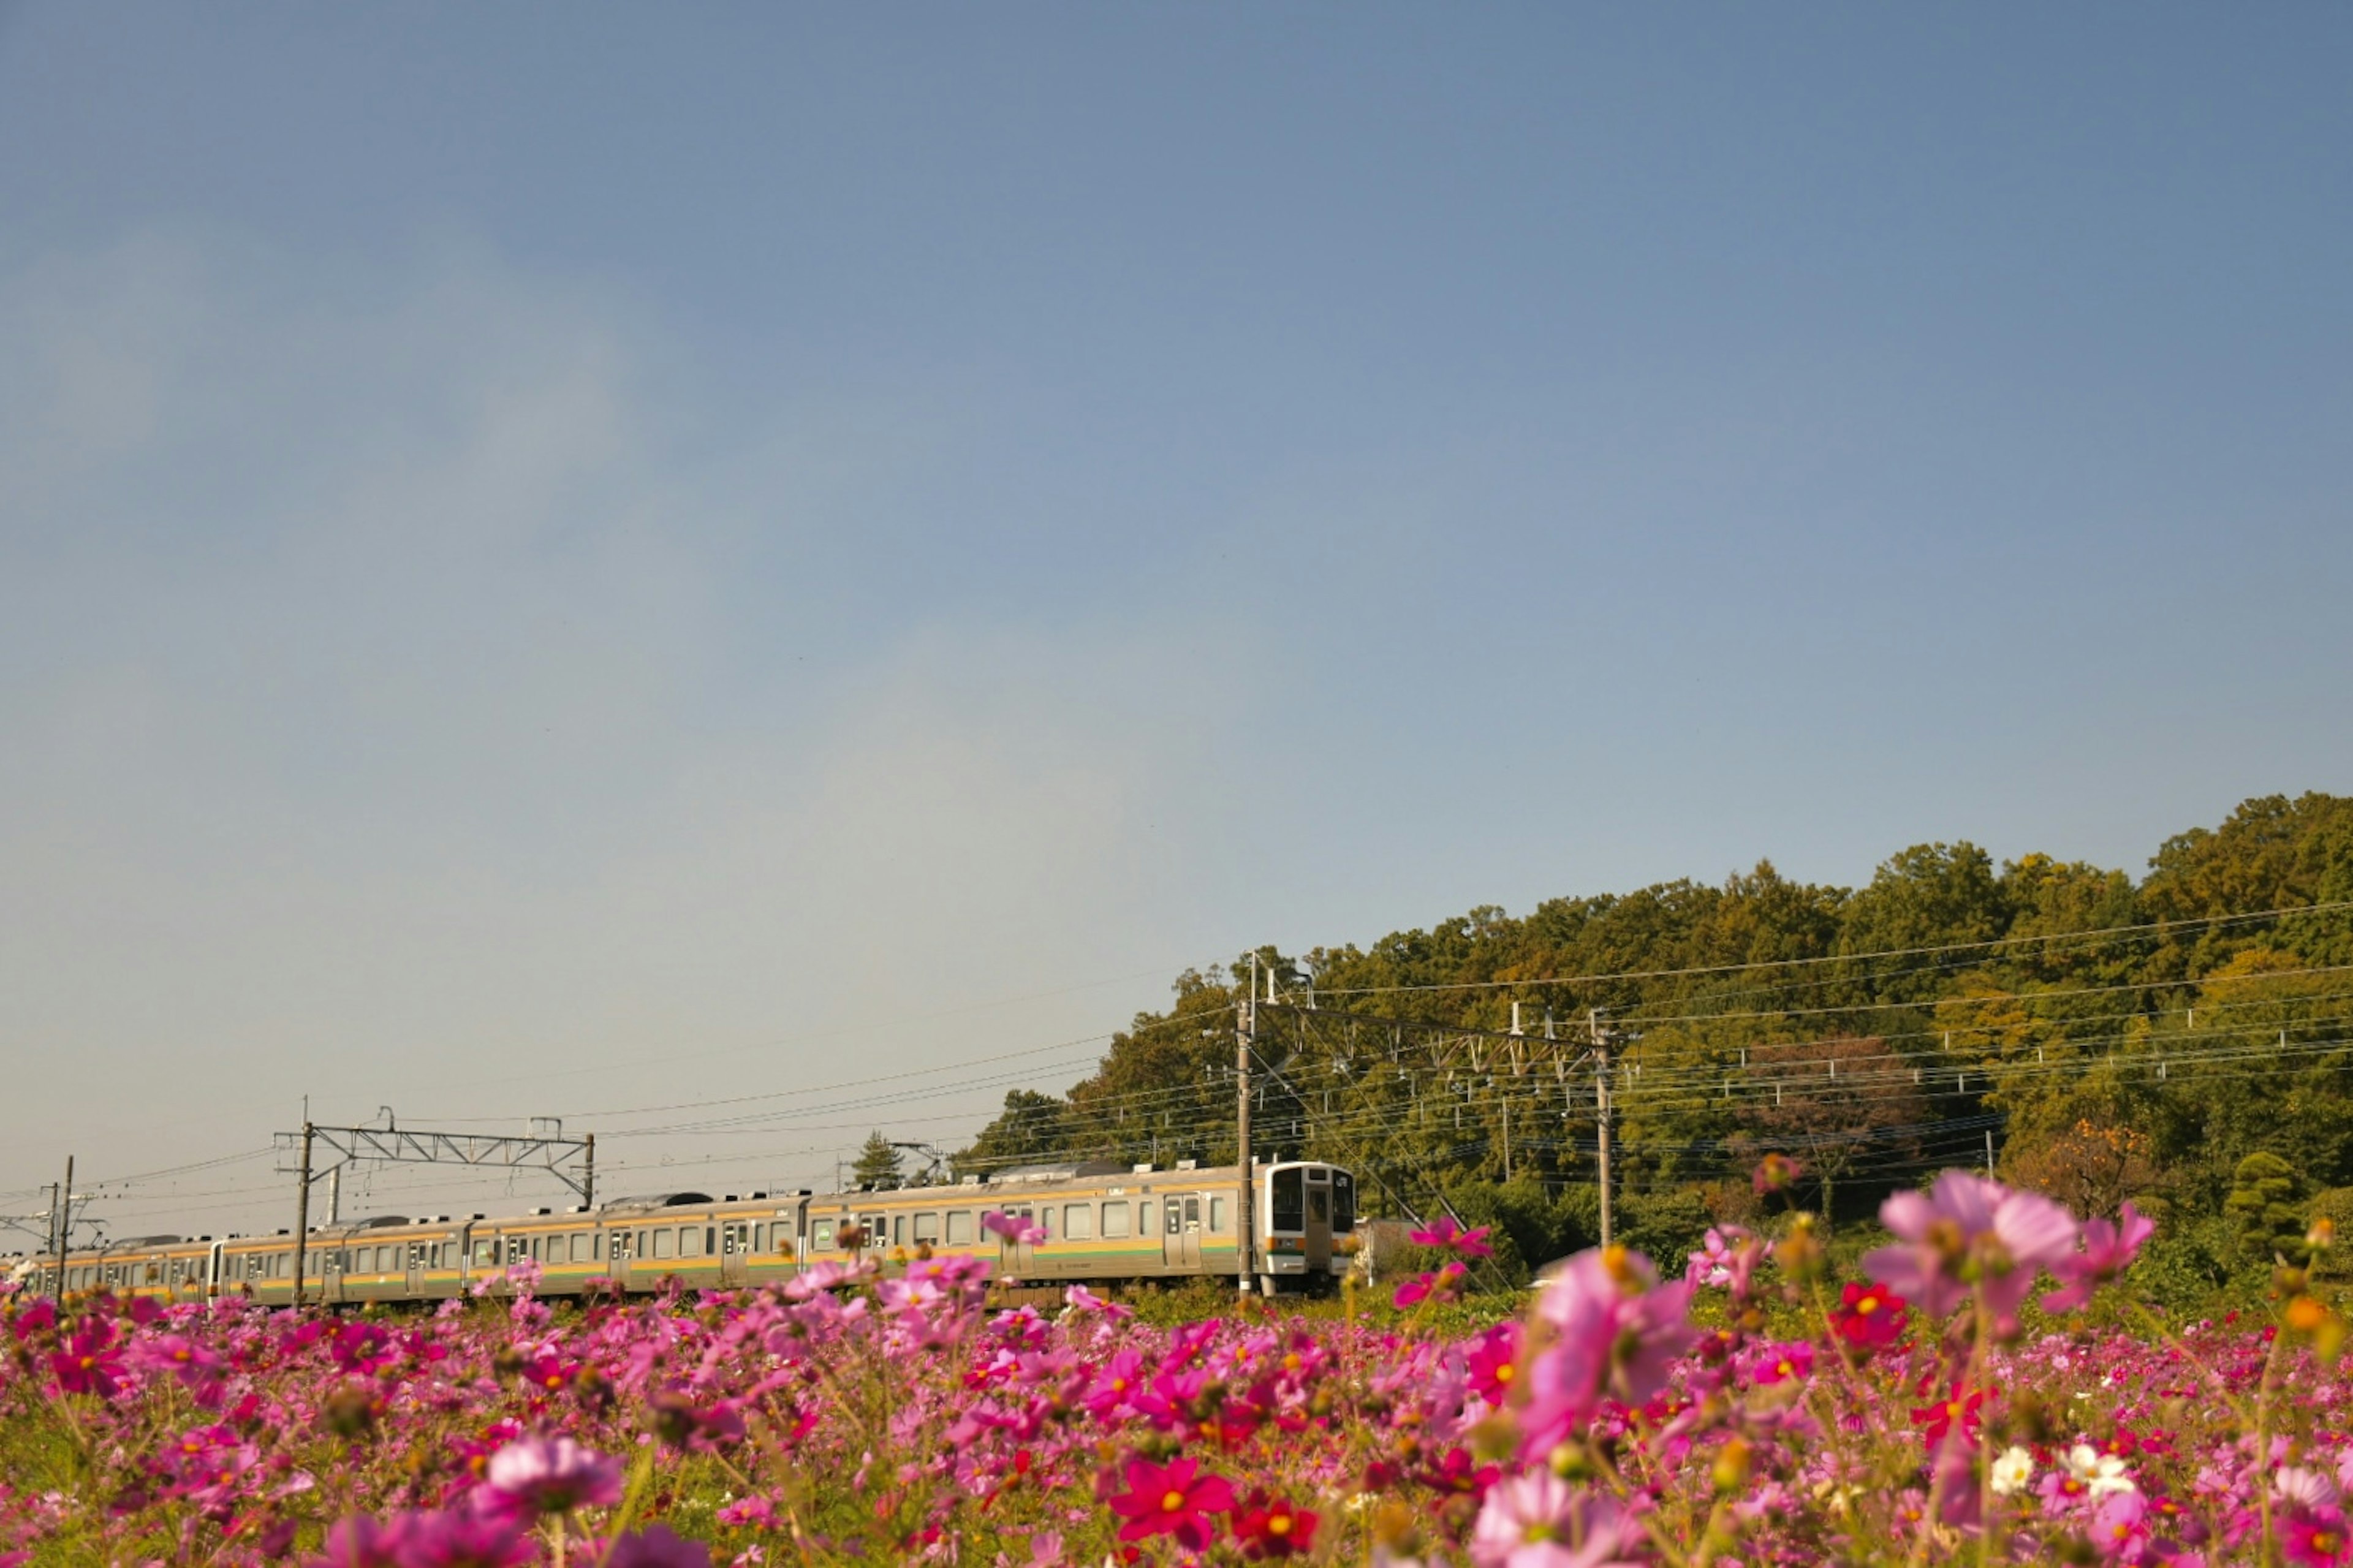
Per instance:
(555,558)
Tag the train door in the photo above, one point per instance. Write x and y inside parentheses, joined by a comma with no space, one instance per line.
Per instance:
(1319,1220)
(1180,1227)
(735,1249)
(415,1259)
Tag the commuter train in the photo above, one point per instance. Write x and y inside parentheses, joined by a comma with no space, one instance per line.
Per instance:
(1093,1223)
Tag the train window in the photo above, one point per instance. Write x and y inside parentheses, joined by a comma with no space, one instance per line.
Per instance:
(927,1229)
(486,1253)
(1192,1213)
(822,1236)
(689,1241)
(1114,1219)
(710,1239)
(1218,1223)
(665,1244)
(1288,1207)
(898,1230)
(1343,1202)
(1319,1206)
(1176,1211)
(960,1227)
(1079,1222)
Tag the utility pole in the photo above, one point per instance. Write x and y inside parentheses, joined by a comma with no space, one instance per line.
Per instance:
(1507,1104)
(1601,1112)
(588,1180)
(1245,1219)
(302,1214)
(1988,1154)
(335,1194)
(63,1208)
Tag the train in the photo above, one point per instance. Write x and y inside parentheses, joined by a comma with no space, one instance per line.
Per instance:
(1091,1223)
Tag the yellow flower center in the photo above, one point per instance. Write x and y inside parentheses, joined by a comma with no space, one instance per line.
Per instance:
(1784,1368)
(1504,1372)
(1867,1306)
(1281,1525)
(1172,1503)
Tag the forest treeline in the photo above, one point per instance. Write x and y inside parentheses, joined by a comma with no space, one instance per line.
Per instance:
(2183,1040)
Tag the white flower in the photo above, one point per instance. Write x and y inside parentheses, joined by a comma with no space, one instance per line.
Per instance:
(2099,1472)
(2013,1471)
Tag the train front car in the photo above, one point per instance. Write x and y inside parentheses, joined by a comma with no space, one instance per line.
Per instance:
(1306,1213)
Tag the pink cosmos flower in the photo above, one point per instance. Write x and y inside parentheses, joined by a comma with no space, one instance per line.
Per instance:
(2109,1250)
(424,1540)
(1616,1332)
(1538,1520)
(1493,1363)
(1424,1286)
(89,1363)
(1079,1299)
(1013,1228)
(1968,1233)
(554,1476)
(1447,1236)
(1173,1500)
(657,1546)
(2118,1527)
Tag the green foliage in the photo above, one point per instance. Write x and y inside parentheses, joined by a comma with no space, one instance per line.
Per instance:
(877,1163)
(1663,1225)
(2122,1040)
(2266,1209)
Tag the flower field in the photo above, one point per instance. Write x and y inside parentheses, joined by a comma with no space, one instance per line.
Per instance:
(1747,1408)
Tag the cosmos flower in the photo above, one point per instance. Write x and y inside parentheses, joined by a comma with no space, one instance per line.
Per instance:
(1447,1236)
(2109,1250)
(1173,1500)
(1268,1526)
(1613,1331)
(657,1546)
(554,1475)
(1968,1233)
(1538,1520)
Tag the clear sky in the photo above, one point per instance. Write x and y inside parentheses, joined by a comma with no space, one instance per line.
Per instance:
(565,559)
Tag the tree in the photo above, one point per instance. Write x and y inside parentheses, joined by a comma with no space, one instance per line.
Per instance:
(1838,1106)
(877,1163)
(2266,1203)
(1032,1126)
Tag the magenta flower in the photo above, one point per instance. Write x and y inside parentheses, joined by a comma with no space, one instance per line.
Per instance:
(657,1546)
(2108,1251)
(1448,1237)
(424,1540)
(89,1363)
(1538,1520)
(1615,1332)
(1172,1499)
(554,1475)
(1425,1287)
(457,1541)
(1968,1233)
(1013,1228)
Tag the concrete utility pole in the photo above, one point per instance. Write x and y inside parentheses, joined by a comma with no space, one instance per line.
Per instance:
(588,1176)
(1601,1112)
(63,1209)
(303,1213)
(1507,1104)
(1245,1217)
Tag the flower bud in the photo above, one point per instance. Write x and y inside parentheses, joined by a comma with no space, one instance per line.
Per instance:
(2322,1236)
(1730,1473)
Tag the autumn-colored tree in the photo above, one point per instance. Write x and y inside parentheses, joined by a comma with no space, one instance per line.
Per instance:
(2092,1167)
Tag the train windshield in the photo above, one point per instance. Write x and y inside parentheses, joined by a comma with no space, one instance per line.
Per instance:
(1287,1204)
(1344,1203)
